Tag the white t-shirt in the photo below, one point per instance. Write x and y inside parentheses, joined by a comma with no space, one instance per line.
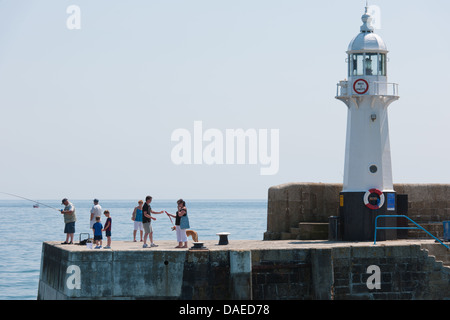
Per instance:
(97,211)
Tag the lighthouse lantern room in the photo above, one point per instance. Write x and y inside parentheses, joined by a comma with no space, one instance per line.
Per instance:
(368,187)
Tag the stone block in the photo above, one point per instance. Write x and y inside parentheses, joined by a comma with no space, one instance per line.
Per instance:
(368,252)
(312,231)
(322,273)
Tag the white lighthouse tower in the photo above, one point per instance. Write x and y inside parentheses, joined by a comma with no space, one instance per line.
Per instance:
(368,187)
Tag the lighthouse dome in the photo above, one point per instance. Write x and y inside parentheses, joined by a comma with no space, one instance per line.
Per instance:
(367,42)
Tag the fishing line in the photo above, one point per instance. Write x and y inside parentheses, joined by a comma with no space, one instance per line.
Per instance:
(173,228)
(15,195)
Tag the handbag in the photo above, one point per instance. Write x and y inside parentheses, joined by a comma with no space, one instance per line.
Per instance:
(184,222)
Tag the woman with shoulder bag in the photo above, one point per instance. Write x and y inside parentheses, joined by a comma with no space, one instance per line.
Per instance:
(181,224)
(137,218)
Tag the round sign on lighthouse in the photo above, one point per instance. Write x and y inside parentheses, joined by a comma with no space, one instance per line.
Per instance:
(367,169)
(361,86)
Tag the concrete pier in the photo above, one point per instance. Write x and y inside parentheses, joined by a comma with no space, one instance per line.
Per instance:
(259,270)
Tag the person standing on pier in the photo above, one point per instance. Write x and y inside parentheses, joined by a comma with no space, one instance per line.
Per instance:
(107,229)
(96,211)
(137,218)
(180,227)
(147,221)
(69,220)
(98,237)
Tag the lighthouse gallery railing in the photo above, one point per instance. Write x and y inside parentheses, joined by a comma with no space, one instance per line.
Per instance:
(379,88)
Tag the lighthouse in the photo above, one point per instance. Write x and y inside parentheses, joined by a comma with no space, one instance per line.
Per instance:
(368,186)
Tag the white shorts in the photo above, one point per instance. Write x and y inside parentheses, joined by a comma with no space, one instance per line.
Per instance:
(138,225)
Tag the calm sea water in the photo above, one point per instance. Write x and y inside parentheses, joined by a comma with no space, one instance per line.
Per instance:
(24,228)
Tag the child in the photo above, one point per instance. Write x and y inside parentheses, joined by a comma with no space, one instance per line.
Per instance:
(97,228)
(107,229)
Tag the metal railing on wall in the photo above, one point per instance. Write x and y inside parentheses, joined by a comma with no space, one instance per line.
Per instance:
(417,226)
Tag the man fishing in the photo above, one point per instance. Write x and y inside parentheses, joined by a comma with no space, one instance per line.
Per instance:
(69,220)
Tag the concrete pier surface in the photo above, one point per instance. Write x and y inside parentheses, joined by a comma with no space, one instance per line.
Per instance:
(247,270)
(212,245)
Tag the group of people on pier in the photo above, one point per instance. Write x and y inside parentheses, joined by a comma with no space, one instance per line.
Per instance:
(142,217)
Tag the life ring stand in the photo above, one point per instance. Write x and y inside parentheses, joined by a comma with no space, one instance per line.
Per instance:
(372,206)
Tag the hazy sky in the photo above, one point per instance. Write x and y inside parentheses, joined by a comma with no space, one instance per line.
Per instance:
(90,112)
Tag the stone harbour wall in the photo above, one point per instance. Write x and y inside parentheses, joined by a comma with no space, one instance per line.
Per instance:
(406,273)
(301,210)
(245,270)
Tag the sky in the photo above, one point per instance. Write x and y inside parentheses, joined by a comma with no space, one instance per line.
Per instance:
(91,112)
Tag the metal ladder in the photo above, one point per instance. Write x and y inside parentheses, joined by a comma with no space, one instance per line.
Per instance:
(401,216)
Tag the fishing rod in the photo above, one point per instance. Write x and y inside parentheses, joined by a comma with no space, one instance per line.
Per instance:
(15,195)
(173,228)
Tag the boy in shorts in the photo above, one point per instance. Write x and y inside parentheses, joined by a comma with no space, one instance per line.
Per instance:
(107,229)
(97,228)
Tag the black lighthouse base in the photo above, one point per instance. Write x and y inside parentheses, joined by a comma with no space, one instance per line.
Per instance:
(357,221)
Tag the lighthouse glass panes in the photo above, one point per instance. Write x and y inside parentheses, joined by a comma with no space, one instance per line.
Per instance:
(381,64)
(371,64)
(357,62)
(367,64)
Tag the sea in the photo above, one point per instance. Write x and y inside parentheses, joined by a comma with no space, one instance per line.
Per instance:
(23,229)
